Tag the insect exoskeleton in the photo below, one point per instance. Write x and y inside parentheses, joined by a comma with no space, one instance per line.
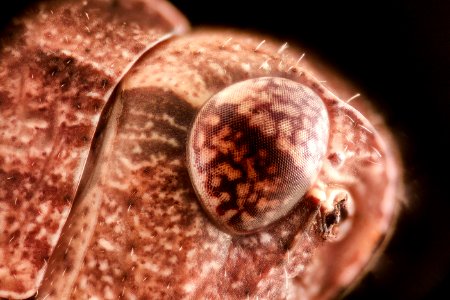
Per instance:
(139,159)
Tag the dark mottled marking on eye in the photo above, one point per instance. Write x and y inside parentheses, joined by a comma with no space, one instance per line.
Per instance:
(255,149)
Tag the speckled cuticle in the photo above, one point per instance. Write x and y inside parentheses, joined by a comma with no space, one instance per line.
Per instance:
(59,63)
(277,162)
(144,231)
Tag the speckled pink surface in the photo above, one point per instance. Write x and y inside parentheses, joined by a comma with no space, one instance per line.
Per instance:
(58,66)
(137,229)
(150,237)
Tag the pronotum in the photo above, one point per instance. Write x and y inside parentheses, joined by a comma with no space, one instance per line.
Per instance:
(140,159)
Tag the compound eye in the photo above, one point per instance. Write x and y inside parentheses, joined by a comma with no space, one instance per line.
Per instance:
(254,150)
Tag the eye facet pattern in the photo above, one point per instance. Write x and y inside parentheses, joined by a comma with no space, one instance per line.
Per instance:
(254,150)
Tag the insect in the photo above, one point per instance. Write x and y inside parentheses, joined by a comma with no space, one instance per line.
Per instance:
(122,177)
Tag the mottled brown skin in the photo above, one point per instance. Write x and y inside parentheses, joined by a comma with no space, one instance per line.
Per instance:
(137,228)
(151,237)
(59,63)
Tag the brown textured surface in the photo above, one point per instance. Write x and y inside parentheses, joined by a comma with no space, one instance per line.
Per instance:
(58,65)
(138,230)
(150,238)
(255,149)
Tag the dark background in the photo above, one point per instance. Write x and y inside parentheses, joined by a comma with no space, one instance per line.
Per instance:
(397,53)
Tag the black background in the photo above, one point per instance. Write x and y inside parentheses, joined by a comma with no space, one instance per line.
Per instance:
(397,53)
